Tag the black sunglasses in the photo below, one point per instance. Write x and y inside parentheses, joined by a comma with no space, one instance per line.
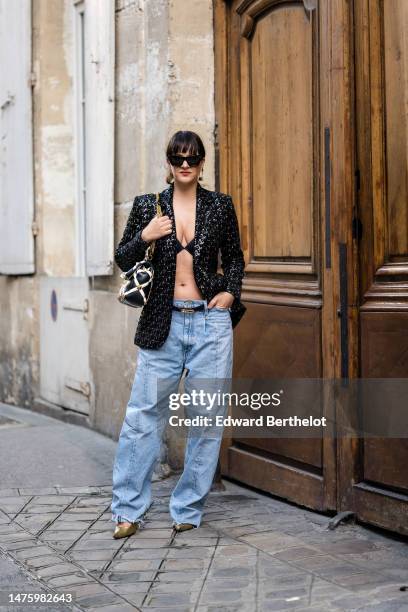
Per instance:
(178,160)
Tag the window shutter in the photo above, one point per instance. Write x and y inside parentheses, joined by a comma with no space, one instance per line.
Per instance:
(99,129)
(16,153)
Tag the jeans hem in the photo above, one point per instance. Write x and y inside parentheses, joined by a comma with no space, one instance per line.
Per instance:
(181,522)
(119,518)
(185,520)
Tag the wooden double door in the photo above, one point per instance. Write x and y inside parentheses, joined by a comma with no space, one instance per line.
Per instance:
(312,141)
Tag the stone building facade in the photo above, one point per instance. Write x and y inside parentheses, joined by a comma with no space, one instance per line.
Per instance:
(301,105)
(67,343)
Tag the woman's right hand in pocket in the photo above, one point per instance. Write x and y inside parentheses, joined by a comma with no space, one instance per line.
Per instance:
(156,228)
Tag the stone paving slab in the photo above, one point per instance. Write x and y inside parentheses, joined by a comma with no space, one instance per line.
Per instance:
(252,553)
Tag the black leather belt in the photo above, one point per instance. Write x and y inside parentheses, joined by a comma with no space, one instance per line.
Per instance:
(189,308)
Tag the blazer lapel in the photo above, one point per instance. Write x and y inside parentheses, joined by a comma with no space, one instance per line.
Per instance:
(202,211)
(166,202)
(203,205)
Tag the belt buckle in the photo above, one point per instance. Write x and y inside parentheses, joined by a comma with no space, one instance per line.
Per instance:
(187,310)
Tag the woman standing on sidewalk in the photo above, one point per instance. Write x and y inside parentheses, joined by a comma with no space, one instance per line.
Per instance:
(186,323)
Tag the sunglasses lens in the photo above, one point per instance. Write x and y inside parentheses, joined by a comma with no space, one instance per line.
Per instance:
(178,160)
(193,160)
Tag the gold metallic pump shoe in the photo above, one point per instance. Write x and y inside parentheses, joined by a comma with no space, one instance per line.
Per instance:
(183,527)
(123,531)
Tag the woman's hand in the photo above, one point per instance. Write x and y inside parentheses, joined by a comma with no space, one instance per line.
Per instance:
(156,228)
(224,299)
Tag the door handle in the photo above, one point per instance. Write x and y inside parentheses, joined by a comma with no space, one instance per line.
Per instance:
(327,187)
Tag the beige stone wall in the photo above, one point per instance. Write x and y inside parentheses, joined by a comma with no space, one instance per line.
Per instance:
(165,77)
(164,82)
(54,137)
(19,345)
(54,202)
(191,74)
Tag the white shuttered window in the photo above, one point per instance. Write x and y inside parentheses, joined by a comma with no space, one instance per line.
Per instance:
(16,152)
(99,134)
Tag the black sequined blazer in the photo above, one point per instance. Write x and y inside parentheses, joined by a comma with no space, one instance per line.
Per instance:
(216,229)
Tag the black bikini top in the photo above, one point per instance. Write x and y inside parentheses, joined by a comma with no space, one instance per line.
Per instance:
(189,247)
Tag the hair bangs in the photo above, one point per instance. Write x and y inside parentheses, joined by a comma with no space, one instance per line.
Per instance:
(185,141)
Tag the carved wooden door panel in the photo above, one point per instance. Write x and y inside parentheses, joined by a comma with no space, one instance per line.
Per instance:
(273,151)
(375,484)
(311,102)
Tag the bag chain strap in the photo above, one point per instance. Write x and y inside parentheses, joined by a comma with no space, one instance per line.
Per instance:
(159,213)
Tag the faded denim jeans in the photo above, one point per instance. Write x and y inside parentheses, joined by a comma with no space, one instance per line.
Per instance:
(202,342)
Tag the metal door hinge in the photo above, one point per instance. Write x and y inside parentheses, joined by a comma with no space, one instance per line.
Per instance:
(77,307)
(35,230)
(32,79)
(78,385)
(8,101)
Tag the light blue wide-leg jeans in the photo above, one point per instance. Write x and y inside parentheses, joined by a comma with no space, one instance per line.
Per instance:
(202,342)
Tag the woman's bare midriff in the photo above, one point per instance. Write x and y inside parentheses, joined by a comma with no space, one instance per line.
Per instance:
(185,287)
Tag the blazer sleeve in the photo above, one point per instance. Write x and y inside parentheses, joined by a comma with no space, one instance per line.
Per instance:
(131,247)
(232,257)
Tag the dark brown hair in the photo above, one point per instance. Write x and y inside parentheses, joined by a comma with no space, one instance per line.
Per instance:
(184,141)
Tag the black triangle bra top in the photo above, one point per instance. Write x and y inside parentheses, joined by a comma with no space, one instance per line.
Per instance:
(188,247)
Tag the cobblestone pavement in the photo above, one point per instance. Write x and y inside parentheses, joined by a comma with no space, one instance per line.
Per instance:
(251,553)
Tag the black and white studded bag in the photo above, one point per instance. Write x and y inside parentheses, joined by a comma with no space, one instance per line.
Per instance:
(138,281)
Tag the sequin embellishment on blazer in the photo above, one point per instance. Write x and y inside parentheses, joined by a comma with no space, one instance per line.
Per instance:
(216,229)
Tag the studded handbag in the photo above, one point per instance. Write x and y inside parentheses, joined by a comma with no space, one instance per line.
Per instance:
(138,281)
